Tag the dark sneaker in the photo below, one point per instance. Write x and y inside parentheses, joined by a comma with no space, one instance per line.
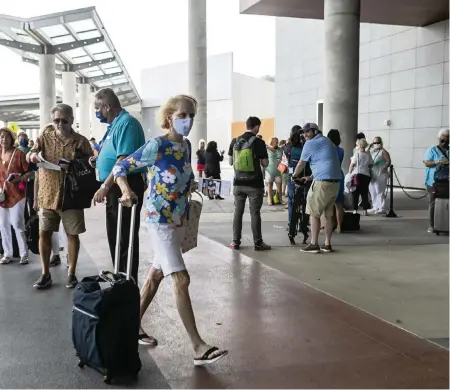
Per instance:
(72,281)
(262,246)
(44,282)
(326,248)
(311,249)
(234,246)
(55,260)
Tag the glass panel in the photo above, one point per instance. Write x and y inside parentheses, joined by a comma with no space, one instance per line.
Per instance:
(53,31)
(109,65)
(63,39)
(82,25)
(89,34)
(95,73)
(103,83)
(112,70)
(102,56)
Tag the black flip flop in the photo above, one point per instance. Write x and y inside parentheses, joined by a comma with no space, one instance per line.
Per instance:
(143,336)
(205,359)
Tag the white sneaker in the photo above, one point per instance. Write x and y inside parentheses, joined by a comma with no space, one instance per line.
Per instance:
(5,260)
(24,260)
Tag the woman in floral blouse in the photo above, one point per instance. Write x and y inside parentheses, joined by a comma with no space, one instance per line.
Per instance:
(170,175)
(13,181)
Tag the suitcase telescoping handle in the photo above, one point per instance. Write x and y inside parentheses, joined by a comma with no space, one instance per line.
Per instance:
(130,245)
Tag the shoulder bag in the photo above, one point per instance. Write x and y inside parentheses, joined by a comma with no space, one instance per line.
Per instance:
(192,224)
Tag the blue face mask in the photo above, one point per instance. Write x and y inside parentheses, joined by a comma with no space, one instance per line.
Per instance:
(182,126)
(100,117)
(23,143)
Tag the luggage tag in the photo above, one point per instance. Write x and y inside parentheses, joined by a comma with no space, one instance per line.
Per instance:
(291,170)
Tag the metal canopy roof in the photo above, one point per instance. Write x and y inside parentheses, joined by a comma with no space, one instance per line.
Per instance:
(80,43)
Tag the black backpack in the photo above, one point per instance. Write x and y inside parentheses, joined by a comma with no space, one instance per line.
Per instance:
(32,234)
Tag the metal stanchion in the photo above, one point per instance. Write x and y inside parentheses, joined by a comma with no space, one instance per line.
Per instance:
(391,213)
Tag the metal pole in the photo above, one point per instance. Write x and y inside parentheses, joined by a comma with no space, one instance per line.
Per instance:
(131,241)
(391,213)
(119,233)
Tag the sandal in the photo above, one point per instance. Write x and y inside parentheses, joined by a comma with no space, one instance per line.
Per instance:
(145,339)
(208,359)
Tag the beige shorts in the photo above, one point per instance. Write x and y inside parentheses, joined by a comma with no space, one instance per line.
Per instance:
(321,198)
(273,179)
(72,220)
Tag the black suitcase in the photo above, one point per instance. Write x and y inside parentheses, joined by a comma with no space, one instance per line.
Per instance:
(351,222)
(106,319)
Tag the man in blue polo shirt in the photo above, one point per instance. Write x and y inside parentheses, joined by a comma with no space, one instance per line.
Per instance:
(322,156)
(123,137)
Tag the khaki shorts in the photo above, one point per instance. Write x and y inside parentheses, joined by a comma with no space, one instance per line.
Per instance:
(321,198)
(72,220)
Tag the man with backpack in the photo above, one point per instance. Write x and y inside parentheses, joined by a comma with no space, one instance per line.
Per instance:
(248,155)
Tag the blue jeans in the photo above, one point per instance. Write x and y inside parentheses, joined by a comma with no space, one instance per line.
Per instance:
(290,198)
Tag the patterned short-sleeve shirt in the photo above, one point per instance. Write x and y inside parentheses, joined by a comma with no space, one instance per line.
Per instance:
(14,192)
(53,148)
(170,176)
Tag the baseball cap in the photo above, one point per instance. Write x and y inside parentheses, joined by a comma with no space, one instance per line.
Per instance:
(310,127)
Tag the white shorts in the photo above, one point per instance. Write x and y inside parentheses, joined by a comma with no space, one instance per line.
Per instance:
(166,242)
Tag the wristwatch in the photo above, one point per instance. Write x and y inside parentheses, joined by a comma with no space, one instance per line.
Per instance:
(104,187)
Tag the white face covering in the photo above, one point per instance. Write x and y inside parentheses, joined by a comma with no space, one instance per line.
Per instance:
(182,126)
(377,147)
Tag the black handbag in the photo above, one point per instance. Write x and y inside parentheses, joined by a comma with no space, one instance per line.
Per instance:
(79,185)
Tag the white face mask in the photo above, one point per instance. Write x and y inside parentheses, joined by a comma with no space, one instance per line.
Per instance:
(377,146)
(182,126)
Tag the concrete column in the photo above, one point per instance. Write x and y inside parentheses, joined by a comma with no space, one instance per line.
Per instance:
(84,101)
(69,85)
(47,88)
(342,21)
(197,67)
(98,129)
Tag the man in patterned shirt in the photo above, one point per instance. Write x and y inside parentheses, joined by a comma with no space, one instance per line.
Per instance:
(55,145)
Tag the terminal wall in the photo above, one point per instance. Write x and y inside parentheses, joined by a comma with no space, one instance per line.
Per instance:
(404,75)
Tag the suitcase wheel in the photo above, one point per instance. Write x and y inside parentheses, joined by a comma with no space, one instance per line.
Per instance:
(107,379)
(80,364)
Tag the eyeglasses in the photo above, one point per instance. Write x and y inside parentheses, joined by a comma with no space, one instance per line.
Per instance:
(377,143)
(63,121)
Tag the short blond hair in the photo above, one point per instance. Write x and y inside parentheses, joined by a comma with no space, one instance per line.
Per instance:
(362,143)
(171,106)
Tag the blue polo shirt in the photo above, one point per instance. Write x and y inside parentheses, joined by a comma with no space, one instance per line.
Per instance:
(432,154)
(124,136)
(323,158)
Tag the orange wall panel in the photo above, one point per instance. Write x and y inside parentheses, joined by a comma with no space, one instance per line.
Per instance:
(267,129)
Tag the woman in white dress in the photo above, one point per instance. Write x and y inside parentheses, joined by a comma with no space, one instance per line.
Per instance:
(378,183)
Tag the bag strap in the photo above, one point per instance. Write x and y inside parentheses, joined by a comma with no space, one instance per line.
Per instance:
(7,170)
(443,152)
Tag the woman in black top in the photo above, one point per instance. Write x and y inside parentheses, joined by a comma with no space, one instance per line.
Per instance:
(201,158)
(213,159)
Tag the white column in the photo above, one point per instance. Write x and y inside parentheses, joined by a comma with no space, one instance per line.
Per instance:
(197,68)
(69,85)
(47,88)
(98,129)
(84,101)
(342,22)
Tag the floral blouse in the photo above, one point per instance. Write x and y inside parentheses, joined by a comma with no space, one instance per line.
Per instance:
(169,174)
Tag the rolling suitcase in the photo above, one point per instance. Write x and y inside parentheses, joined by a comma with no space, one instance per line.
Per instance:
(441,216)
(106,318)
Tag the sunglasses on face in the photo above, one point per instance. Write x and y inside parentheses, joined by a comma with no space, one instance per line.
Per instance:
(377,143)
(63,121)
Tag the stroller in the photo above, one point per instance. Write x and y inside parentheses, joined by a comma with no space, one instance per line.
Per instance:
(299,219)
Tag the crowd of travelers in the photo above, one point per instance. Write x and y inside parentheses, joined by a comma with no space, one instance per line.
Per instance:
(157,174)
